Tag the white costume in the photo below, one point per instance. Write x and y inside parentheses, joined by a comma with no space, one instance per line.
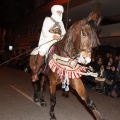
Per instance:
(35,51)
(52,29)
(46,35)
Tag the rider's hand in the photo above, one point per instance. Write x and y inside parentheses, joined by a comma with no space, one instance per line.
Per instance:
(56,37)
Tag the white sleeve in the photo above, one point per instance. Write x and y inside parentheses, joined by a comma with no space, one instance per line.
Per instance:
(47,24)
(35,51)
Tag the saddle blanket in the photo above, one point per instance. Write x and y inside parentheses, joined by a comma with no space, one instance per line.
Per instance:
(62,65)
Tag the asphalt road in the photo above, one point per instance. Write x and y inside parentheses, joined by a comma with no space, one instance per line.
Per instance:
(16,101)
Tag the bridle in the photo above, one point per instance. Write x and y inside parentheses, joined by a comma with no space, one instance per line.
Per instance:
(78,53)
(82,50)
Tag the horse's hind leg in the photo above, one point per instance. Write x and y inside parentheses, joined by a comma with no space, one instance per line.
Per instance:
(41,97)
(80,89)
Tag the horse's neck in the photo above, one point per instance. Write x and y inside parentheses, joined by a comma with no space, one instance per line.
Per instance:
(65,47)
(59,47)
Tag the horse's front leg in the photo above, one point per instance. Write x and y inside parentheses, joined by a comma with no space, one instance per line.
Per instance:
(41,97)
(52,98)
(80,89)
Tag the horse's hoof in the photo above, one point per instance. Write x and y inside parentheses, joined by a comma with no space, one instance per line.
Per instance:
(43,104)
(53,118)
(35,99)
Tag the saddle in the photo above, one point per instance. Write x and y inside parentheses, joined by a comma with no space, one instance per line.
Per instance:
(65,63)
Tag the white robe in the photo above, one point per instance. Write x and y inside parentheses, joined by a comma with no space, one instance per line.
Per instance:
(46,36)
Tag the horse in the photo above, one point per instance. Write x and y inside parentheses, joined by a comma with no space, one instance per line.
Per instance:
(76,48)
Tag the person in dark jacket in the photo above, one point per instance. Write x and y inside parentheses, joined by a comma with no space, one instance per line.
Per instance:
(100,80)
(97,64)
(111,80)
(116,89)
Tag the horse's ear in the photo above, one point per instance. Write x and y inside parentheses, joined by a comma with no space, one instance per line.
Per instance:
(99,20)
(89,17)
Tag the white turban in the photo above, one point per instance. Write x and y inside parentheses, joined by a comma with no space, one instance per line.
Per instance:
(54,10)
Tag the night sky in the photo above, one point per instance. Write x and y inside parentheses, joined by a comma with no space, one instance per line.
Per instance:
(10,10)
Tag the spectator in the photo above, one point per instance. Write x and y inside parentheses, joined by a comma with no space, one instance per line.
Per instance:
(100,80)
(116,90)
(110,81)
(98,64)
(111,60)
(106,59)
(116,61)
(92,63)
(108,68)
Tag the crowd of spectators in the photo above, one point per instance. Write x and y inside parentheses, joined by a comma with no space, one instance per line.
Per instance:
(108,80)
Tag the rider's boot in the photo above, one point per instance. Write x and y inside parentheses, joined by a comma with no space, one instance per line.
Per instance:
(37,69)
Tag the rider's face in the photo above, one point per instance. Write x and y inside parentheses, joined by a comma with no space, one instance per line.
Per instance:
(59,13)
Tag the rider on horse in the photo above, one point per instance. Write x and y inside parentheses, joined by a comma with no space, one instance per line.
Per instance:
(53,30)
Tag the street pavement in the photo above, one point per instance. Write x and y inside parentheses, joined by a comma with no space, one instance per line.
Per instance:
(16,101)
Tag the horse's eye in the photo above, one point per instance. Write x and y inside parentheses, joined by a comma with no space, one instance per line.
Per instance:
(84,33)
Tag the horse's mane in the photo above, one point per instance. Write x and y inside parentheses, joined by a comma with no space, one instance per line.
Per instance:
(74,32)
(71,35)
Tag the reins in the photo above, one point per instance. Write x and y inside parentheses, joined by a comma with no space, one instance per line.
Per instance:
(15,57)
(24,53)
(78,51)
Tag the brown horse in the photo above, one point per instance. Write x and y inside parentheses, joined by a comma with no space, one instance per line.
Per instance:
(77,45)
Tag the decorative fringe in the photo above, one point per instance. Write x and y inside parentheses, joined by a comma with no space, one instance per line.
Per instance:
(65,73)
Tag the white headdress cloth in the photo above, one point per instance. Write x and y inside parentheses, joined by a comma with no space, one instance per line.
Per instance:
(55,15)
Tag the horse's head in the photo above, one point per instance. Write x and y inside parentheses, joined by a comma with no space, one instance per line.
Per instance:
(81,37)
